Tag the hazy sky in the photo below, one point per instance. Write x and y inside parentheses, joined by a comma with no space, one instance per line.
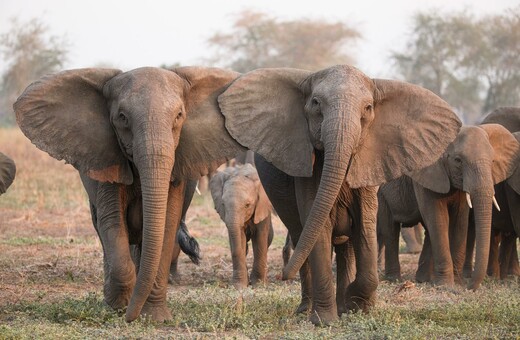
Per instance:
(130,34)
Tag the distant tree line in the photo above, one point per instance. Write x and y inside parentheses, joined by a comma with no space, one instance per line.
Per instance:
(472,62)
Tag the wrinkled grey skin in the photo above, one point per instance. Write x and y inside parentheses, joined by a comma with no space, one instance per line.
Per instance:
(506,222)
(244,207)
(7,172)
(436,197)
(114,126)
(375,129)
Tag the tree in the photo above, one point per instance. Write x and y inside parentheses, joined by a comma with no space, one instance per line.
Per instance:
(29,53)
(259,40)
(470,62)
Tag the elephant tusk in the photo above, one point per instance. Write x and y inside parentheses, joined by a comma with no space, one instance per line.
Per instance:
(197,189)
(468,198)
(496,203)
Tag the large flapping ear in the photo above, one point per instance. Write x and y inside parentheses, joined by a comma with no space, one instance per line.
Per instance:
(411,129)
(66,115)
(216,186)
(433,177)
(7,172)
(514,179)
(204,142)
(506,151)
(264,112)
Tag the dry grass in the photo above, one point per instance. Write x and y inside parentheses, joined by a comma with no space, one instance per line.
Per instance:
(51,278)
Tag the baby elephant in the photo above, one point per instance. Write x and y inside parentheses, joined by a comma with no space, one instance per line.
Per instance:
(242,204)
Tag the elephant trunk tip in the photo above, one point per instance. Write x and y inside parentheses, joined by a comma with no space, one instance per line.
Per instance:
(289,271)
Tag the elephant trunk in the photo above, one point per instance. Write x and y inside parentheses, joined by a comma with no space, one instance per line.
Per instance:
(479,184)
(238,252)
(482,210)
(154,160)
(339,133)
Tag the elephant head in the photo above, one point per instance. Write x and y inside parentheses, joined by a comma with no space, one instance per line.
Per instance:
(508,117)
(100,119)
(239,198)
(474,162)
(371,130)
(7,172)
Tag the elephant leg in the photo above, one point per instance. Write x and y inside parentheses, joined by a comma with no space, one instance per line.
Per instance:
(425,266)
(514,267)
(155,306)
(412,244)
(175,276)
(260,241)
(458,234)
(345,273)
(324,309)
(392,265)
(493,268)
(286,251)
(120,272)
(418,230)
(470,247)
(505,253)
(361,292)
(435,214)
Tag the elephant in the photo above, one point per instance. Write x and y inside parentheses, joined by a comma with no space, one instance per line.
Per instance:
(332,137)
(146,123)
(242,204)
(7,172)
(506,222)
(440,196)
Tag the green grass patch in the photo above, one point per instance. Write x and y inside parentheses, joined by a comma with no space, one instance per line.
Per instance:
(45,240)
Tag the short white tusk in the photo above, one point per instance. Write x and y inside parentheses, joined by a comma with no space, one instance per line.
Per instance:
(496,203)
(197,189)
(469,201)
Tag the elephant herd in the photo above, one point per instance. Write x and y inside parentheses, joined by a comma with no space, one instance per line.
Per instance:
(323,141)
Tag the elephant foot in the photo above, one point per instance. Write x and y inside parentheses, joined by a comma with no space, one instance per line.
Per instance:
(357,303)
(392,277)
(323,317)
(424,276)
(158,313)
(118,297)
(174,278)
(342,309)
(304,307)
(258,280)
(447,281)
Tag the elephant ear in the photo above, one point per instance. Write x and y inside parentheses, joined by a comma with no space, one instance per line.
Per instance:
(506,151)
(263,206)
(216,187)
(514,179)
(204,141)
(433,177)
(411,129)
(7,172)
(66,115)
(264,112)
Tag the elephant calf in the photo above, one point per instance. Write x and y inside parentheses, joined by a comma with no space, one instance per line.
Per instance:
(242,204)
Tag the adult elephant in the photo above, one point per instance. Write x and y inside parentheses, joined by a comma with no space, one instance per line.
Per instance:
(326,140)
(7,172)
(439,196)
(506,222)
(114,126)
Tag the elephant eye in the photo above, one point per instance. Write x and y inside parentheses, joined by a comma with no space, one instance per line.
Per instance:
(368,107)
(248,205)
(315,102)
(179,115)
(457,159)
(123,117)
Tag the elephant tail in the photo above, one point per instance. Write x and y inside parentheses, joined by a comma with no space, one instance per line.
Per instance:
(188,243)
